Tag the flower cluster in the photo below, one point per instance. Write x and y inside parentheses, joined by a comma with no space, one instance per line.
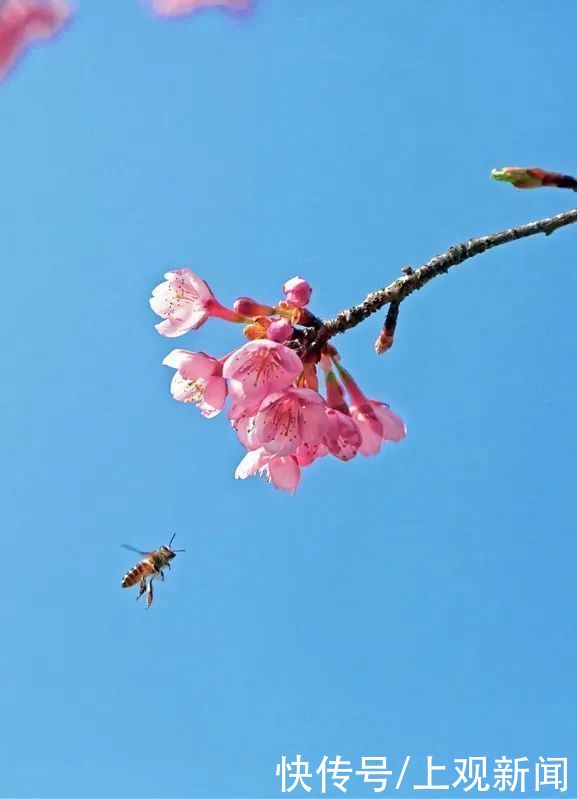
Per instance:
(276,409)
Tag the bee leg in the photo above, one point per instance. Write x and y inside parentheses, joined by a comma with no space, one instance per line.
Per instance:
(161,575)
(168,564)
(142,588)
(150,594)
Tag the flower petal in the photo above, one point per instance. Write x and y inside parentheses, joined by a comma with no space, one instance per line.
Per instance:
(285,473)
(393,426)
(214,397)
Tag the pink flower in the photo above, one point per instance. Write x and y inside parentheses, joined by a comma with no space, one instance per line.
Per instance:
(283,471)
(185,301)
(23,21)
(198,379)
(259,368)
(280,330)
(377,423)
(172,8)
(375,420)
(287,419)
(343,437)
(297,291)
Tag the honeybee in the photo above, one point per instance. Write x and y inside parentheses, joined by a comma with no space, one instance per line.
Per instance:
(148,569)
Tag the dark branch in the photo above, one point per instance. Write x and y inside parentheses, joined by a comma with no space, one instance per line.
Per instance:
(412,280)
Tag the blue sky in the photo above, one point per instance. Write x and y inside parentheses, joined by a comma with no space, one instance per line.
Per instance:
(418,603)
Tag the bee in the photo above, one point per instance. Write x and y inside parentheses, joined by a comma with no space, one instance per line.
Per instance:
(148,569)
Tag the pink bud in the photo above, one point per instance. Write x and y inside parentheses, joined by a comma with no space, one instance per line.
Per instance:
(384,342)
(297,291)
(245,306)
(280,330)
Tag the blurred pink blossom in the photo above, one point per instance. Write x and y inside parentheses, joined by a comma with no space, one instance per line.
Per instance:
(24,21)
(174,8)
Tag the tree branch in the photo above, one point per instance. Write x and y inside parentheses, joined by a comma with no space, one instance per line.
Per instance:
(412,280)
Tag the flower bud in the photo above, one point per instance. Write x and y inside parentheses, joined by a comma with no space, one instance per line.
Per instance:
(280,330)
(245,306)
(533,178)
(297,291)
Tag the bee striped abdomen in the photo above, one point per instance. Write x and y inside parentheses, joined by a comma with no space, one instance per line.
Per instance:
(135,574)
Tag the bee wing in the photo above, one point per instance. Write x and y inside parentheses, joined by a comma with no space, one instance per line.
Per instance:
(133,549)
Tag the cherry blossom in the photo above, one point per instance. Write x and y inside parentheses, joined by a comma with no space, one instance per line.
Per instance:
(185,301)
(343,436)
(290,418)
(198,379)
(259,368)
(375,420)
(377,423)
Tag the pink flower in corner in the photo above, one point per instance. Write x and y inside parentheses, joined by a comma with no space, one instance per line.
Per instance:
(289,418)
(174,8)
(198,379)
(185,301)
(259,368)
(282,471)
(23,21)
(297,292)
